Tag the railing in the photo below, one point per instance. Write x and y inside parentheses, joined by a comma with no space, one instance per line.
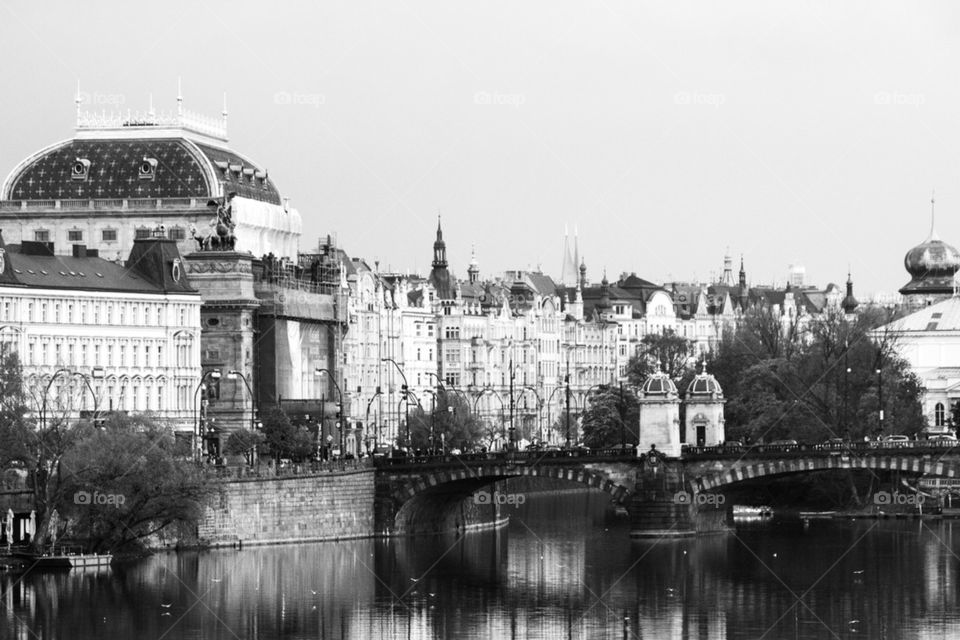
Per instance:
(509,457)
(265,470)
(106,203)
(831,448)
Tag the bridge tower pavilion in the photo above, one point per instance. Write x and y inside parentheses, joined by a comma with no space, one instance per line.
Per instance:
(660,415)
(704,411)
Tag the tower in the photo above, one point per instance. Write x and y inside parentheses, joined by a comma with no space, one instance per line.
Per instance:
(660,415)
(473,272)
(727,278)
(568,270)
(440,276)
(849,303)
(704,411)
(439,249)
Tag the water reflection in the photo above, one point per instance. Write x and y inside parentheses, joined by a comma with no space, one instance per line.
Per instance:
(564,568)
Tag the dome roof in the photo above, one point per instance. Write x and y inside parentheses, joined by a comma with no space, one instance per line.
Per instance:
(704,384)
(932,258)
(149,165)
(931,265)
(659,383)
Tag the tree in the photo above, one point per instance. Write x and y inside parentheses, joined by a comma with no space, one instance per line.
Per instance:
(610,416)
(818,383)
(450,422)
(283,439)
(243,442)
(660,351)
(127,482)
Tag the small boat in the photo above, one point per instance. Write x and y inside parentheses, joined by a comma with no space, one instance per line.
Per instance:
(65,560)
(817,515)
(742,510)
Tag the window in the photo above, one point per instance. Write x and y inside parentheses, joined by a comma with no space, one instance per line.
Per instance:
(41,235)
(108,235)
(142,232)
(451,333)
(74,235)
(177,233)
(452,379)
(429,330)
(939,418)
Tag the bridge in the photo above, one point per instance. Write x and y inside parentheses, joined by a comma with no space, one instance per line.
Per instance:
(664,496)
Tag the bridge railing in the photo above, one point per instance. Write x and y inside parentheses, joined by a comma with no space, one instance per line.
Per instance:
(510,457)
(837,448)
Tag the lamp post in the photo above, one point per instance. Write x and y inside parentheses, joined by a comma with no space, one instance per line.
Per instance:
(404,389)
(198,433)
(96,373)
(233,375)
(539,412)
(376,436)
(433,419)
(320,371)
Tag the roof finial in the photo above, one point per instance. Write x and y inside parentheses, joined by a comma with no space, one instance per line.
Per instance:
(179,98)
(933,202)
(78,100)
(151,112)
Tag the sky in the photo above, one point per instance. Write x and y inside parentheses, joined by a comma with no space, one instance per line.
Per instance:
(666,133)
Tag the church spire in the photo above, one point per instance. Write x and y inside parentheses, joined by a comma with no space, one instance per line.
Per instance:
(439,248)
(849,303)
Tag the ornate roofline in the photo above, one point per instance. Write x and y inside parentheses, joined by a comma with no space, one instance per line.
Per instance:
(110,123)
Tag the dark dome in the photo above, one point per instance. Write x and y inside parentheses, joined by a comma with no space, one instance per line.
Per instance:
(137,168)
(659,384)
(932,258)
(931,266)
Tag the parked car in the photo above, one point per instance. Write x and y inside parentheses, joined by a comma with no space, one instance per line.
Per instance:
(732,444)
(944,439)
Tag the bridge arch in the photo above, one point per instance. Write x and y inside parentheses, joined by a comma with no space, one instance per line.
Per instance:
(419,500)
(487,475)
(750,470)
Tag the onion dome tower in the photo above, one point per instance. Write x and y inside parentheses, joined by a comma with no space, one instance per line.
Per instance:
(660,415)
(849,303)
(704,410)
(932,266)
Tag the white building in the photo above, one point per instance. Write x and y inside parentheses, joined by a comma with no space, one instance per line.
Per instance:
(95,336)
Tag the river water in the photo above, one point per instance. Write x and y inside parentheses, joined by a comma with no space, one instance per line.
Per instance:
(565,567)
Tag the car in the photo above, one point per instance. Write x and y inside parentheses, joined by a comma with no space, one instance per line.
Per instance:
(944,439)
(732,444)
(896,438)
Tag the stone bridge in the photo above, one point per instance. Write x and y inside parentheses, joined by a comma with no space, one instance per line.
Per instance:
(664,496)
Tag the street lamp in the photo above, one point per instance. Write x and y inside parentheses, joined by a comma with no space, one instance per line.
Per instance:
(233,375)
(96,373)
(320,371)
(404,389)
(376,437)
(213,374)
(539,412)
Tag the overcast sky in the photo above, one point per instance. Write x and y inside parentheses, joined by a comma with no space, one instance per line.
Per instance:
(790,132)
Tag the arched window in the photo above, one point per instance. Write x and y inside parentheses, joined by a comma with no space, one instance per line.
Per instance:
(938,415)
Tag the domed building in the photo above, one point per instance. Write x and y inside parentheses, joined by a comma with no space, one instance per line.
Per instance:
(659,415)
(121,176)
(704,411)
(932,266)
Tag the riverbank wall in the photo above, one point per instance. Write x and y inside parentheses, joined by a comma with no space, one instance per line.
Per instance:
(330,505)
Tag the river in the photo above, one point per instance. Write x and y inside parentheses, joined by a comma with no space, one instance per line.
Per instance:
(565,567)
